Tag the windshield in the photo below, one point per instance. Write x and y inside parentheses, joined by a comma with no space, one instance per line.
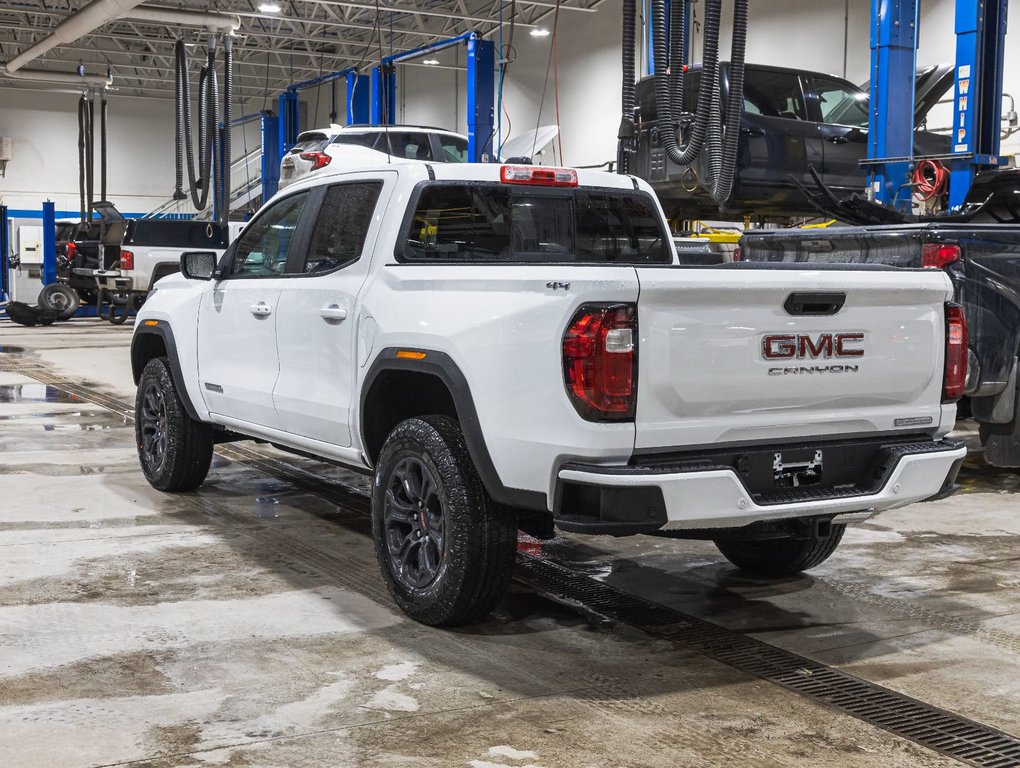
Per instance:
(498,223)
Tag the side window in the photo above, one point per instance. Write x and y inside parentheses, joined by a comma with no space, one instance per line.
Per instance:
(455,150)
(841,103)
(342,225)
(263,249)
(776,94)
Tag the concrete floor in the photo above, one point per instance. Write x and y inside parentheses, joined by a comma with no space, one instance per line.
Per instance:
(246,624)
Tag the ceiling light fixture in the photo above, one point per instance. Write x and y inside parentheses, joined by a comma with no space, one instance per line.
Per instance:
(539,32)
(269,8)
(431,61)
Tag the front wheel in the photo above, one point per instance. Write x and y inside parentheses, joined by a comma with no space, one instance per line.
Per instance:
(786,556)
(174,450)
(446,550)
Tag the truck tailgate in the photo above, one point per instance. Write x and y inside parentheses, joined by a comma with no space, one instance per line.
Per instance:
(722,360)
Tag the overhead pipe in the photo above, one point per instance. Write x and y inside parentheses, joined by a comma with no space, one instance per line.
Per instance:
(65,78)
(91,17)
(213,22)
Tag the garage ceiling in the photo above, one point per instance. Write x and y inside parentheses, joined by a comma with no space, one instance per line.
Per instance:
(307,38)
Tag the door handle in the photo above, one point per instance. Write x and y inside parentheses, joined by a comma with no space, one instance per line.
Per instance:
(837,139)
(333,312)
(261,309)
(753,131)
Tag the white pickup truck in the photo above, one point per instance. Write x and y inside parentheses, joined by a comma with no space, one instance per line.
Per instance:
(510,347)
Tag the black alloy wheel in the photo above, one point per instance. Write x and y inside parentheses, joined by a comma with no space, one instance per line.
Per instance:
(414,521)
(153,426)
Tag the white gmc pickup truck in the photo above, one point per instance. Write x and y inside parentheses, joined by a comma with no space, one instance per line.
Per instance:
(509,347)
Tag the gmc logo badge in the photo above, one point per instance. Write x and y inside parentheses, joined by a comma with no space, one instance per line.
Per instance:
(797,346)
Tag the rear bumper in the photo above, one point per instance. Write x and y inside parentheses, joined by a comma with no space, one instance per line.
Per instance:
(113,280)
(636,499)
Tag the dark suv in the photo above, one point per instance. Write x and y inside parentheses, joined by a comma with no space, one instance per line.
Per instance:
(792,119)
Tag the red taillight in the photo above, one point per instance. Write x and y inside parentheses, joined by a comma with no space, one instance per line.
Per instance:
(127,260)
(956,353)
(318,159)
(600,362)
(538,175)
(738,254)
(939,255)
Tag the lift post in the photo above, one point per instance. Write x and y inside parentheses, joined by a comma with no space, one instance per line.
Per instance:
(49,228)
(5,253)
(977,113)
(384,94)
(289,120)
(359,99)
(271,155)
(891,125)
(481,93)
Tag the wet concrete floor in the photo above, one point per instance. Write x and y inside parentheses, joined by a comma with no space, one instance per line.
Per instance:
(246,624)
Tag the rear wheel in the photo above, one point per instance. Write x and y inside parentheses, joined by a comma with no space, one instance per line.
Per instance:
(446,550)
(174,450)
(785,556)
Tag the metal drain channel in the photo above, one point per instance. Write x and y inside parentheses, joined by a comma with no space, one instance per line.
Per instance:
(921,723)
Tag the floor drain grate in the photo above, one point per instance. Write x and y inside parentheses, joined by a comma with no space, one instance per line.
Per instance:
(921,723)
(902,715)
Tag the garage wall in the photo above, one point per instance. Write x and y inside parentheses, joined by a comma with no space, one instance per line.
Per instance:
(44,126)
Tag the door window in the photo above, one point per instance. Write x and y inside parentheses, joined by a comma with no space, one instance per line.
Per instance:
(774,94)
(841,103)
(263,249)
(342,226)
(454,149)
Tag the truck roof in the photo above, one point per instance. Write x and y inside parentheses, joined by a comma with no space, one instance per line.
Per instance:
(417,171)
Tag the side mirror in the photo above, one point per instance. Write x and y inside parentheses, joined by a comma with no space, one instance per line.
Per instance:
(198,265)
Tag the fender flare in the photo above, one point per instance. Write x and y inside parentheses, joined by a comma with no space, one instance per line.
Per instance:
(164,332)
(442,366)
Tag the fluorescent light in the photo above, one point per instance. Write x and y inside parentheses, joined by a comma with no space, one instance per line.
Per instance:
(540,32)
(431,61)
(269,8)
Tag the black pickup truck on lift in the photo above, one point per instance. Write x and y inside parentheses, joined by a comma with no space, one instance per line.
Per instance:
(980,250)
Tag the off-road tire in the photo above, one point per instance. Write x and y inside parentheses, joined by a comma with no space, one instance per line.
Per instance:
(776,558)
(184,461)
(480,536)
(59,298)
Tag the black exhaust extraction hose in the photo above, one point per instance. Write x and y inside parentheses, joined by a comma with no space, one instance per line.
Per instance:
(722,186)
(625,136)
(212,128)
(228,88)
(180,88)
(707,133)
(208,124)
(666,118)
(85,219)
(90,151)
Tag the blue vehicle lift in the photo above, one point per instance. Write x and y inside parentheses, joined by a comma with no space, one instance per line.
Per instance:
(5,253)
(980,46)
(481,102)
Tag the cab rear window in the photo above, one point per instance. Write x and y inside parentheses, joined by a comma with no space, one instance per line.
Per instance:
(499,223)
